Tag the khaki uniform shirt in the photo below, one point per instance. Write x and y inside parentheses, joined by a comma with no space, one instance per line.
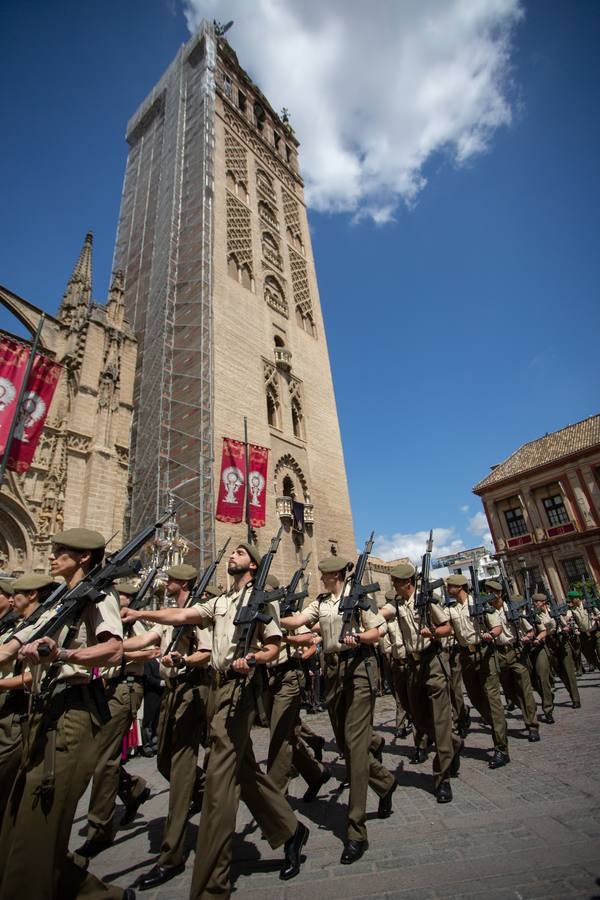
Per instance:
(582,619)
(324,610)
(289,651)
(411,622)
(127,666)
(397,647)
(192,639)
(507,635)
(219,612)
(98,618)
(465,628)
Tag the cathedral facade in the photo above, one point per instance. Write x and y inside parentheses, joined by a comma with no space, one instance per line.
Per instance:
(79,475)
(221,291)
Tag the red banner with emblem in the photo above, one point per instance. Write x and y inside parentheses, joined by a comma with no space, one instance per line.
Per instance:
(232,484)
(258,458)
(31,415)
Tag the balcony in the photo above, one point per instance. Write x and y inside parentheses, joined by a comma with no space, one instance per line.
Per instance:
(283,358)
(520,541)
(283,508)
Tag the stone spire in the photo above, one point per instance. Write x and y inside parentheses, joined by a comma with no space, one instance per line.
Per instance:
(76,300)
(115,307)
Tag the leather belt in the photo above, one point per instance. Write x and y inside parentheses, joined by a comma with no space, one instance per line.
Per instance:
(124,679)
(470,648)
(287,666)
(221,678)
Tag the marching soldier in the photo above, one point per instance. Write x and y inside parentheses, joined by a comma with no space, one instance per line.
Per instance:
(541,670)
(350,685)
(428,675)
(479,672)
(183,723)
(514,674)
(232,767)
(60,746)
(124,685)
(559,647)
(584,621)
(282,701)
(393,654)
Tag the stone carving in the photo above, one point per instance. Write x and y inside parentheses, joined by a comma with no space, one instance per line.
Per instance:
(266,155)
(239,233)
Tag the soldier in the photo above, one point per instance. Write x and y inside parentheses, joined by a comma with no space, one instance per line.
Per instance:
(584,623)
(28,592)
(282,700)
(479,671)
(541,671)
(428,675)
(350,685)
(513,672)
(124,686)
(393,654)
(559,647)
(232,767)
(60,751)
(183,723)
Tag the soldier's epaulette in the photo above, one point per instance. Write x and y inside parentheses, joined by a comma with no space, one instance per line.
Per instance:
(322,596)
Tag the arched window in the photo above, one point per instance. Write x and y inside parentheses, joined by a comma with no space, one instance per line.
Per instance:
(267,213)
(279,342)
(273,408)
(288,487)
(297,419)
(274,295)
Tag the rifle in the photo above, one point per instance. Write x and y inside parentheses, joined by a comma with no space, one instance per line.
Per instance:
(479,608)
(195,595)
(93,587)
(353,601)
(556,610)
(288,605)
(425,593)
(137,601)
(250,615)
(513,611)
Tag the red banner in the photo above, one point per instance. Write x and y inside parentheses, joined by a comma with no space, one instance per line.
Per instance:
(232,484)
(32,414)
(13,362)
(258,458)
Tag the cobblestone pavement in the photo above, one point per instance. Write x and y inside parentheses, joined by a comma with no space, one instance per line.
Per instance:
(531,829)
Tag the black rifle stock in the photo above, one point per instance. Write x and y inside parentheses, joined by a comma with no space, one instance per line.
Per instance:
(138,601)
(424,596)
(479,608)
(353,601)
(196,593)
(251,614)
(288,605)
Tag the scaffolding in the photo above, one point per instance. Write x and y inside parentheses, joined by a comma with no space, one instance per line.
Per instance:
(164,247)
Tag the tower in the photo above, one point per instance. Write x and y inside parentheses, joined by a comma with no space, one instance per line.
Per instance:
(220,288)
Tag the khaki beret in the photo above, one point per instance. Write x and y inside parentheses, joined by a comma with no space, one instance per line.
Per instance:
(575,595)
(33,583)
(127,588)
(458,580)
(539,598)
(403,571)
(80,539)
(272,582)
(252,552)
(493,585)
(333,564)
(213,590)
(6,586)
(517,598)
(184,572)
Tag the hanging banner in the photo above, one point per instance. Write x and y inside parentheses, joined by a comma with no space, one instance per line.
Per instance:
(258,458)
(13,362)
(298,515)
(230,502)
(32,414)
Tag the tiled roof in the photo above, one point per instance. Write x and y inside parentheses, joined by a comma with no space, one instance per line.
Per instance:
(544,450)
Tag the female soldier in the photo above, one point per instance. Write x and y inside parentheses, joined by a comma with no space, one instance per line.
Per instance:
(350,685)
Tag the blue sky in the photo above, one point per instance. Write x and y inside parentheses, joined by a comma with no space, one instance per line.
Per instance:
(463,327)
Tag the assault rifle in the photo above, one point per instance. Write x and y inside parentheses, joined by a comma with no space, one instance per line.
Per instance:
(93,586)
(479,608)
(556,610)
(138,601)
(353,601)
(251,614)
(288,605)
(514,608)
(195,595)
(424,595)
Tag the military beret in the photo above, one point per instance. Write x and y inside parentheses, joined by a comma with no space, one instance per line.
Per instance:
(6,586)
(80,539)
(493,585)
(127,588)
(272,582)
(517,598)
(252,552)
(575,595)
(333,564)
(539,598)
(213,590)
(33,583)
(458,580)
(403,571)
(184,572)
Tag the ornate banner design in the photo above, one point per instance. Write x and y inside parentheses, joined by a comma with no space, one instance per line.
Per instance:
(13,362)
(31,416)
(230,502)
(258,458)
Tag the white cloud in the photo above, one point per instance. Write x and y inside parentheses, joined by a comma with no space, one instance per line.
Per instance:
(465,508)
(478,525)
(445,541)
(375,89)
